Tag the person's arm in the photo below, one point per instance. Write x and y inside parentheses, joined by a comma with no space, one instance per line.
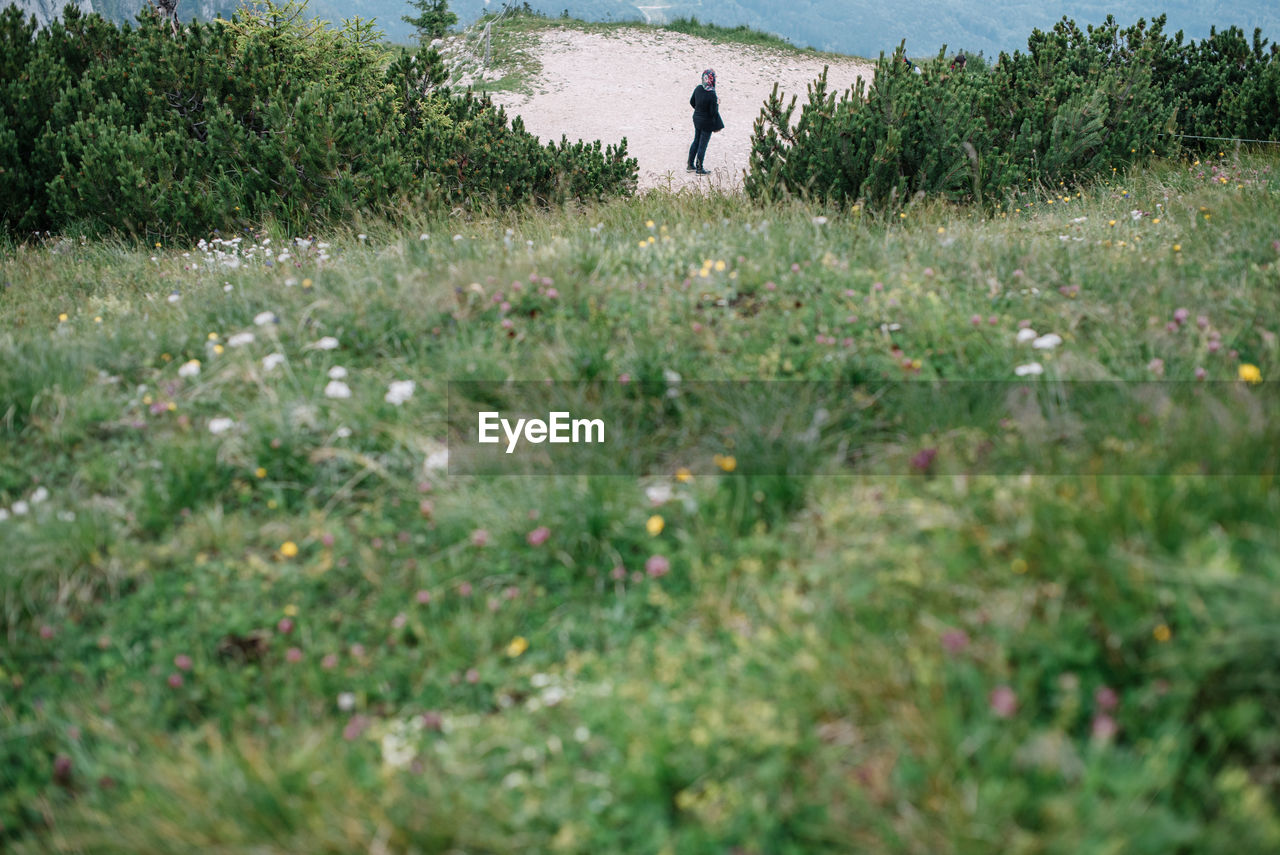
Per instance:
(692,101)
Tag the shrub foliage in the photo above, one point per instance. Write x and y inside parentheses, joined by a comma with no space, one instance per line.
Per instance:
(268,116)
(1078,103)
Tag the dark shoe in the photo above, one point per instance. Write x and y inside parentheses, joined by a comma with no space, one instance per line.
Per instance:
(689,168)
(701,171)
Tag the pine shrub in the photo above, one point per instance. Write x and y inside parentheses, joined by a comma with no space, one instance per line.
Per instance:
(267,116)
(1077,104)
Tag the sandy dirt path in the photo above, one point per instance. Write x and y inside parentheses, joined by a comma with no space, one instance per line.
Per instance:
(636,84)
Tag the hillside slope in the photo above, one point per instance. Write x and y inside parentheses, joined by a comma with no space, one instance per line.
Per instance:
(858,27)
(866,28)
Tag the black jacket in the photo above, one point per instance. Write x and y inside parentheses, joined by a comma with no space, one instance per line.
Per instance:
(706,109)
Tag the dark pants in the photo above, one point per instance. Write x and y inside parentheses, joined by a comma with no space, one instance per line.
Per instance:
(699,148)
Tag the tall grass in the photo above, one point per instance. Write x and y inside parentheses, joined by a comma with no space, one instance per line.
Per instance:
(297,633)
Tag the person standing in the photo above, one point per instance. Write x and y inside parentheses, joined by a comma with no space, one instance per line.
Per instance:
(706,120)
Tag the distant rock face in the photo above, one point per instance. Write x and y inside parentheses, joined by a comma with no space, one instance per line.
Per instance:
(387,12)
(46,10)
(122,11)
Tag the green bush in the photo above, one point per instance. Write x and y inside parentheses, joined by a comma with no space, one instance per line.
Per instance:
(267,116)
(1076,105)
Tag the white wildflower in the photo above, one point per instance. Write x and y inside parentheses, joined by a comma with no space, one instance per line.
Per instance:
(396,751)
(221,424)
(271,361)
(1026,334)
(263,318)
(40,495)
(1031,369)
(337,372)
(240,339)
(21,509)
(1047,342)
(659,494)
(173,298)
(399,391)
(4,514)
(190,368)
(337,389)
(346,701)
(437,461)
(326,343)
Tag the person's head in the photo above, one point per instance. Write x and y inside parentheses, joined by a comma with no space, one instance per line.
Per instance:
(958,62)
(709,79)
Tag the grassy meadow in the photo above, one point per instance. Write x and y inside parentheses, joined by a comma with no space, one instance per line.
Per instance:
(245,607)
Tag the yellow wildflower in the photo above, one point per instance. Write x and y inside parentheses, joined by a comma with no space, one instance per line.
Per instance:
(518,645)
(654,525)
(1249,373)
(288,549)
